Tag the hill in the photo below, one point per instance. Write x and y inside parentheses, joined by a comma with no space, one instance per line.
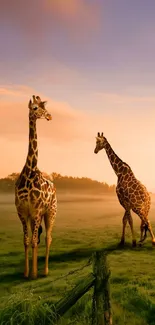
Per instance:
(64,183)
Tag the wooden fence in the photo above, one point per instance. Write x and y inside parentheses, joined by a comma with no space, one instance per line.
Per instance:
(99,279)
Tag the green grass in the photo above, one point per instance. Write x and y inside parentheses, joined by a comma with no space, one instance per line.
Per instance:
(81,227)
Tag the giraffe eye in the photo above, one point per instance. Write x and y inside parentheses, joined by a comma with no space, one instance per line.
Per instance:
(35,108)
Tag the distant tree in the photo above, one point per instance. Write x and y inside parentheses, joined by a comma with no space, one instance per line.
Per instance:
(64,183)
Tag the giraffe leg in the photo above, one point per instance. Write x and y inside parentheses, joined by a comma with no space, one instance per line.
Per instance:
(124,220)
(34,226)
(26,245)
(146,225)
(143,231)
(151,233)
(130,221)
(49,221)
(48,241)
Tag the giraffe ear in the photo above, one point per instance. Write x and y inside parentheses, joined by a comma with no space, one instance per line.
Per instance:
(45,102)
(98,134)
(38,99)
(30,103)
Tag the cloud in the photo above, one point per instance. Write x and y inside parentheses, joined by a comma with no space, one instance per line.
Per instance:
(123,99)
(25,17)
(66,144)
(52,71)
(14,116)
(15,91)
(34,19)
(70,124)
(81,18)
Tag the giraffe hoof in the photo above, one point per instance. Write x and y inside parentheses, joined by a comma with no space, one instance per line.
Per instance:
(121,244)
(134,244)
(26,275)
(34,276)
(45,272)
(153,242)
(140,244)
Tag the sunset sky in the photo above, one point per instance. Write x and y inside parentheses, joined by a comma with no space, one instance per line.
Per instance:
(94,61)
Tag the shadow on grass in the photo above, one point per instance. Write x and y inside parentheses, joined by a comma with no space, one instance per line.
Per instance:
(11,254)
(69,256)
(16,277)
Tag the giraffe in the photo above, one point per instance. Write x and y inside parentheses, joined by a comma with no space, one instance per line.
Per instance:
(35,195)
(132,195)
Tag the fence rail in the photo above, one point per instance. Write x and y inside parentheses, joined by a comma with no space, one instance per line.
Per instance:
(99,279)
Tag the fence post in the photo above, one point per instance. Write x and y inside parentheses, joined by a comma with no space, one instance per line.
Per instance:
(101,298)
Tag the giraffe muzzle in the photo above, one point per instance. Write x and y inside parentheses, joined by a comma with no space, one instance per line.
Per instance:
(95,151)
(48,117)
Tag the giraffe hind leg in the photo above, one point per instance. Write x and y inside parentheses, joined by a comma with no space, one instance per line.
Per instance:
(145,226)
(40,230)
(49,219)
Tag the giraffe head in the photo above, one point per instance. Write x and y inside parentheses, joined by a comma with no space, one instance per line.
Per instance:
(100,142)
(37,109)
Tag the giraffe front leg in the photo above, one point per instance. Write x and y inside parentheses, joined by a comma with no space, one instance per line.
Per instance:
(26,245)
(124,220)
(34,271)
(35,225)
(130,221)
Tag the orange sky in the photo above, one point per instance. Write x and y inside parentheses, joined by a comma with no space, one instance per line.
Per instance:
(66,143)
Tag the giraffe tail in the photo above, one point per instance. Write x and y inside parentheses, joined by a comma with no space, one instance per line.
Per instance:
(40,230)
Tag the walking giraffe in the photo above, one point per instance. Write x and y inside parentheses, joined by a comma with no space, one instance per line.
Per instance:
(35,195)
(132,195)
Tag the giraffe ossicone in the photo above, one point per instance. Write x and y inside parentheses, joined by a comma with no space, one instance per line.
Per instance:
(132,194)
(35,195)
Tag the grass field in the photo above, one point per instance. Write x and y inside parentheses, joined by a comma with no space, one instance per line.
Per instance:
(83,224)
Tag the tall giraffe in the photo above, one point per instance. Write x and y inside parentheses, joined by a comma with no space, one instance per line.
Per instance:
(132,195)
(35,195)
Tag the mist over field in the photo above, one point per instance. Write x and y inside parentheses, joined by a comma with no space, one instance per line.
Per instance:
(85,222)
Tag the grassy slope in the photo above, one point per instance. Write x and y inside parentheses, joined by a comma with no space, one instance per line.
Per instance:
(82,226)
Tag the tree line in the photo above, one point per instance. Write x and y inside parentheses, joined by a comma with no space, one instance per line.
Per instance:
(64,183)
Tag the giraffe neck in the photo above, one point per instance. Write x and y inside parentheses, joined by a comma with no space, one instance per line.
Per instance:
(32,156)
(117,164)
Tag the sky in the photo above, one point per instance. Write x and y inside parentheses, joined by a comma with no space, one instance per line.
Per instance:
(93,61)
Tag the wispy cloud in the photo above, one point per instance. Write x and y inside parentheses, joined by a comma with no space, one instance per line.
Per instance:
(70,124)
(14,91)
(14,117)
(81,18)
(69,139)
(123,99)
